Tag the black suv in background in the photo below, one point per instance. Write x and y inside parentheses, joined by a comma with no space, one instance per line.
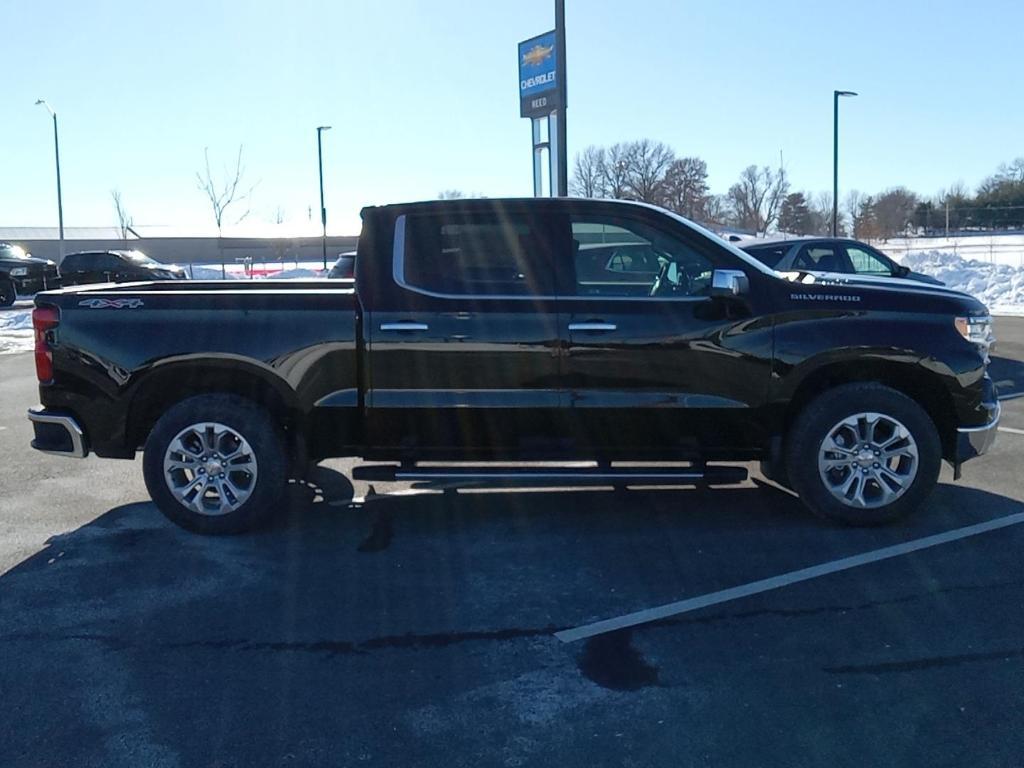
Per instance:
(826,254)
(21,273)
(345,267)
(115,267)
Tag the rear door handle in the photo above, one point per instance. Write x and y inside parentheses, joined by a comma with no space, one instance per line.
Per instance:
(404,327)
(593,327)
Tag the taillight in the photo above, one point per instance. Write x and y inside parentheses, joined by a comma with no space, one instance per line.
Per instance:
(44,320)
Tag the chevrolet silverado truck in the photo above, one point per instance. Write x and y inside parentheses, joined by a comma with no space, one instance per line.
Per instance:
(596,342)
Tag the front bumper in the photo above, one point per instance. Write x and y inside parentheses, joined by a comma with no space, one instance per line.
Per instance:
(976,441)
(35,283)
(57,433)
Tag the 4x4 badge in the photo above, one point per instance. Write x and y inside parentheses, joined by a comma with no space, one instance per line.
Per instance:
(111,303)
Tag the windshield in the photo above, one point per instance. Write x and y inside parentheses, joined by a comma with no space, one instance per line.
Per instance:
(13,252)
(140,258)
(744,256)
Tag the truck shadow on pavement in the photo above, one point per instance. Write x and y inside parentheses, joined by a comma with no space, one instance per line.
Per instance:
(349,629)
(1008,375)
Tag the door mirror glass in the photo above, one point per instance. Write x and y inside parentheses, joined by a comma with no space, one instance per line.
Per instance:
(729,282)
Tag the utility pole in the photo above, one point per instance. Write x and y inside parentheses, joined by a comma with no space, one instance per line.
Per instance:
(562,187)
(323,210)
(60,201)
(947,218)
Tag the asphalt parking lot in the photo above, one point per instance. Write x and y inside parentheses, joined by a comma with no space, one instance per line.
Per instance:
(419,629)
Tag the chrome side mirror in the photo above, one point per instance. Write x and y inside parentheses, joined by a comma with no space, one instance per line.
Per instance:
(729,282)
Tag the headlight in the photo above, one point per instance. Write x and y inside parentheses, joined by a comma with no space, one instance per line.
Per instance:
(19,272)
(977,330)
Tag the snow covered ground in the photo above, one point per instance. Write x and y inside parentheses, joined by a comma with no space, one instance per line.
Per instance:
(16,330)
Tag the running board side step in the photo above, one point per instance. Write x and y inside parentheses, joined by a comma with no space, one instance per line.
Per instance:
(550,476)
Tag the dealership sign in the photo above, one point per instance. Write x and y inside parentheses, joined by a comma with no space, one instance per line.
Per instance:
(538,83)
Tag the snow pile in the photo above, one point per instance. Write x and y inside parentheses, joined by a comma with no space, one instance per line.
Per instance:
(16,331)
(1000,287)
(209,273)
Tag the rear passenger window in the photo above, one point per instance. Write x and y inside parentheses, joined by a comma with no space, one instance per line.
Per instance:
(477,255)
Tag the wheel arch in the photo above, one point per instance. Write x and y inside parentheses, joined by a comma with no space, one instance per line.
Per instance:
(167,384)
(908,377)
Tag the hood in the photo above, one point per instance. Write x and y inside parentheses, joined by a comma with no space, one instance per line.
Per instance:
(902,293)
(28,261)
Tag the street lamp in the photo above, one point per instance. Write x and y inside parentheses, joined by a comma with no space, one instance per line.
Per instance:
(323,211)
(56,153)
(835,158)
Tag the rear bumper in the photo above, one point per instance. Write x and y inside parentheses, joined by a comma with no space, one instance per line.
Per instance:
(976,441)
(57,433)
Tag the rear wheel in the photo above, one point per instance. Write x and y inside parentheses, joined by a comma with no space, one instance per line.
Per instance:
(215,464)
(8,293)
(863,454)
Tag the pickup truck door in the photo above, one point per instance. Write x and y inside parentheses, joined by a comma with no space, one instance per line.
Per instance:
(464,342)
(654,364)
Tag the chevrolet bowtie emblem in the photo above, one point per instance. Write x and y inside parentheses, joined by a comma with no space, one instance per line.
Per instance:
(537,55)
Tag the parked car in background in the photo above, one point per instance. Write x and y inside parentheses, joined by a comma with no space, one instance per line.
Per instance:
(826,254)
(344,268)
(21,273)
(87,267)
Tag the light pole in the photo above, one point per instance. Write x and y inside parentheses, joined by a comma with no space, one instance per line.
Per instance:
(60,202)
(323,211)
(835,158)
(561,182)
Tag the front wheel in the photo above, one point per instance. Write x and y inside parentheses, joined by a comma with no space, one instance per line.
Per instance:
(215,464)
(863,454)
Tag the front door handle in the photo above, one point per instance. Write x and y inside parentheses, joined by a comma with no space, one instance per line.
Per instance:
(593,327)
(404,327)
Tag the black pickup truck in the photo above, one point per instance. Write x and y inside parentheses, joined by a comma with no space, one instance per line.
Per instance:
(505,332)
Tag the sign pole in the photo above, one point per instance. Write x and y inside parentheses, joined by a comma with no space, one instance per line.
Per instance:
(540,100)
(560,132)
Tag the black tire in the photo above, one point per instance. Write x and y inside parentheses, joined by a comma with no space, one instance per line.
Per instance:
(247,420)
(8,293)
(812,427)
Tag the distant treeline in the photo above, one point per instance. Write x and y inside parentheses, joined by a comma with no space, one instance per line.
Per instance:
(761,200)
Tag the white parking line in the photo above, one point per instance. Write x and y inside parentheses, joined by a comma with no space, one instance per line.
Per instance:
(1011,430)
(784,580)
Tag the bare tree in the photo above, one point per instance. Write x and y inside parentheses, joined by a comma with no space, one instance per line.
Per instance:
(685,188)
(894,211)
(854,209)
(451,194)
(822,207)
(646,164)
(124,219)
(757,197)
(223,194)
(716,209)
(589,173)
(616,173)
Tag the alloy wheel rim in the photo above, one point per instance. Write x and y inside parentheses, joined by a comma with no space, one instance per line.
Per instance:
(868,460)
(210,468)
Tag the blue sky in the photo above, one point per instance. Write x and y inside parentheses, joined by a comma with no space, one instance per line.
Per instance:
(422,96)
